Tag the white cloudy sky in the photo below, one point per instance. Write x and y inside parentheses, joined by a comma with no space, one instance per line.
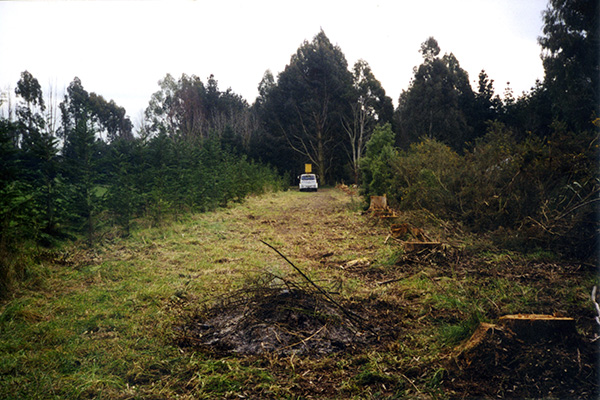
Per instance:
(120,49)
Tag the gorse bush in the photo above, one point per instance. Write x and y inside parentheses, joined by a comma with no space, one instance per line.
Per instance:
(428,175)
(544,190)
(489,197)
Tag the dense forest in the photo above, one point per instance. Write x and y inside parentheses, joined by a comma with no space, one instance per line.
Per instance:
(524,169)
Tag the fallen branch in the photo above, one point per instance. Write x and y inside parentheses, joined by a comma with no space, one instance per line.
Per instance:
(322,291)
(303,341)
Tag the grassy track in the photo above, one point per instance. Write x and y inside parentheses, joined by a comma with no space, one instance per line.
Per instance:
(100,323)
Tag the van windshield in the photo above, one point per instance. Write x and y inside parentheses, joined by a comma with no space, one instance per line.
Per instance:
(307,177)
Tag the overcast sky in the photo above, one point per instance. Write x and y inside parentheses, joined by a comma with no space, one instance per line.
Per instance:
(120,49)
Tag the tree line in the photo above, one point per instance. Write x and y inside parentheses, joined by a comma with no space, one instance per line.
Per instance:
(524,165)
(524,170)
(76,170)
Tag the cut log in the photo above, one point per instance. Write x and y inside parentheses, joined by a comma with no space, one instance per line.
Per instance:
(535,327)
(402,231)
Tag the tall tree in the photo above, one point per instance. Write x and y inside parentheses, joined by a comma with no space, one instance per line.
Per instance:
(571,55)
(312,95)
(29,110)
(161,113)
(80,152)
(371,106)
(112,121)
(39,157)
(487,105)
(438,100)
(188,109)
(266,145)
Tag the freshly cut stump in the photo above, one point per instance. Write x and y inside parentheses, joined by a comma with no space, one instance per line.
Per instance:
(378,203)
(528,328)
(483,332)
(525,356)
(535,327)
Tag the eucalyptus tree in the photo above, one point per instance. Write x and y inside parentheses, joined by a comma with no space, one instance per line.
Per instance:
(571,55)
(312,96)
(267,144)
(162,114)
(438,100)
(487,105)
(113,123)
(30,120)
(31,105)
(371,106)
(188,109)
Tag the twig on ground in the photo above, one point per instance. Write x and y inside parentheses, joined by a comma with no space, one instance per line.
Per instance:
(350,315)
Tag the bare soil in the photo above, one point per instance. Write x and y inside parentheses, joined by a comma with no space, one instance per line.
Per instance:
(352,306)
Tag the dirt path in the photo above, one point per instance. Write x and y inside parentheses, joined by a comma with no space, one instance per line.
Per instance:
(314,229)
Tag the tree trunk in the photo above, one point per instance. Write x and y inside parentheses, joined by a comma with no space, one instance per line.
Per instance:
(321,158)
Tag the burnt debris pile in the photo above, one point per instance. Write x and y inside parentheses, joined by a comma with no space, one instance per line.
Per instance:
(277,315)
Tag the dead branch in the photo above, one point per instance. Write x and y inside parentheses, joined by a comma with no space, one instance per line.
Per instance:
(350,315)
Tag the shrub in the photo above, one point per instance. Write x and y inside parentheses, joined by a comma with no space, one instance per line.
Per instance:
(427,176)
(542,191)
(376,164)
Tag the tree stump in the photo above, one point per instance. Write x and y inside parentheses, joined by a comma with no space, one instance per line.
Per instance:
(528,328)
(483,332)
(536,327)
(378,203)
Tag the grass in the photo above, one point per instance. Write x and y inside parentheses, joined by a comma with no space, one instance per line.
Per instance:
(100,323)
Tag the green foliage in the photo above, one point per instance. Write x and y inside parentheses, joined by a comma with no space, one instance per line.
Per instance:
(188,109)
(426,176)
(371,106)
(306,107)
(438,102)
(123,197)
(544,190)
(104,177)
(570,57)
(376,163)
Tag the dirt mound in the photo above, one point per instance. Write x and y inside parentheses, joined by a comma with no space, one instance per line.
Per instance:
(497,363)
(282,317)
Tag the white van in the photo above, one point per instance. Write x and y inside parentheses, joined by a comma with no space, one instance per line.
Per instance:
(308,182)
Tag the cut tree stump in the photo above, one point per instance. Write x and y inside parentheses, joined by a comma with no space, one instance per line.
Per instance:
(379,208)
(535,327)
(483,332)
(526,328)
(378,203)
